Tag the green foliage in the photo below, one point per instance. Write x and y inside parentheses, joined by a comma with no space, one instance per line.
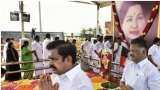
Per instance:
(108,85)
(89,32)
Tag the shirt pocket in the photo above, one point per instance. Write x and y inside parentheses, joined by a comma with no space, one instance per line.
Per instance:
(140,81)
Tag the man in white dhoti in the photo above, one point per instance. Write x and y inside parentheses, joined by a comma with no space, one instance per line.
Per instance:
(37,47)
(46,52)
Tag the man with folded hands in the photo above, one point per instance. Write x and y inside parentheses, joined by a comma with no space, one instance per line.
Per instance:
(67,74)
(140,74)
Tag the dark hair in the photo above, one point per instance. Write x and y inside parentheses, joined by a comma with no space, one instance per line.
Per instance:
(10,45)
(156,39)
(12,38)
(89,39)
(64,49)
(100,38)
(3,71)
(25,43)
(107,38)
(56,38)
(8,40)
(74,41)
(33,30)
(67,41)
(48,35)
(146,7)
(36,38)
(140,41)
(95,41)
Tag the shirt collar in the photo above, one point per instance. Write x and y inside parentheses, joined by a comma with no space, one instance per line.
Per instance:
(73,72)
(142,63)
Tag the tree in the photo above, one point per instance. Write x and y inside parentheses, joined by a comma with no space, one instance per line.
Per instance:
(83,32)
(88,32)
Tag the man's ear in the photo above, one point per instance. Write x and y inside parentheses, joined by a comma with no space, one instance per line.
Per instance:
(68,59)
(143,50)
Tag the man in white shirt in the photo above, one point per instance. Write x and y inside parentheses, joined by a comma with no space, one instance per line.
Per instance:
(119,47)
(92,49)
(86,48)
(154,53)
(98,48)
(96,54)
(141,74)
(46,52)
(107,42)
(37,46)
(45,43)
(117,50)
(86,54)
(67,74)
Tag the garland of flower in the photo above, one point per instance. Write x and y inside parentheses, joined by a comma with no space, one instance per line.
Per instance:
(117,22)
(152,17)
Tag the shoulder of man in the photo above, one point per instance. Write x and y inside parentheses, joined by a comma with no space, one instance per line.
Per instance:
(84,80)
(150,68)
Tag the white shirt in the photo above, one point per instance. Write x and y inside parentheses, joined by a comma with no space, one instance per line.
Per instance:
(87,48)
(93,54)
(107,45)
(118,48)
(154,51)
(97,47)
(74,79)
(5,51)
(37,46)
(142,76)
(45,51)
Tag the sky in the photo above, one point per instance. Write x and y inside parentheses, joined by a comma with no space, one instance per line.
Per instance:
(56,16)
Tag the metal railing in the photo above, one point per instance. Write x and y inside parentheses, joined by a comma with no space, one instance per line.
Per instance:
(26,62)
(44,60)
(113,63)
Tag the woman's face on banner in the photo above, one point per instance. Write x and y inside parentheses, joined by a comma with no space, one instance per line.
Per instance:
(134,22)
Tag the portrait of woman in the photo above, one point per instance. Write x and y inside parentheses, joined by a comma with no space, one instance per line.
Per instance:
(133,16)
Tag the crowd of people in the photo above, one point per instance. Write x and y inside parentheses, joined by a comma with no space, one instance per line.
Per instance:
(141,69)
(93,49)
(33,50)
(138,74)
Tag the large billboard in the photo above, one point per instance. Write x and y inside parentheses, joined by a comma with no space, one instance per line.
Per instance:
(133,16)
